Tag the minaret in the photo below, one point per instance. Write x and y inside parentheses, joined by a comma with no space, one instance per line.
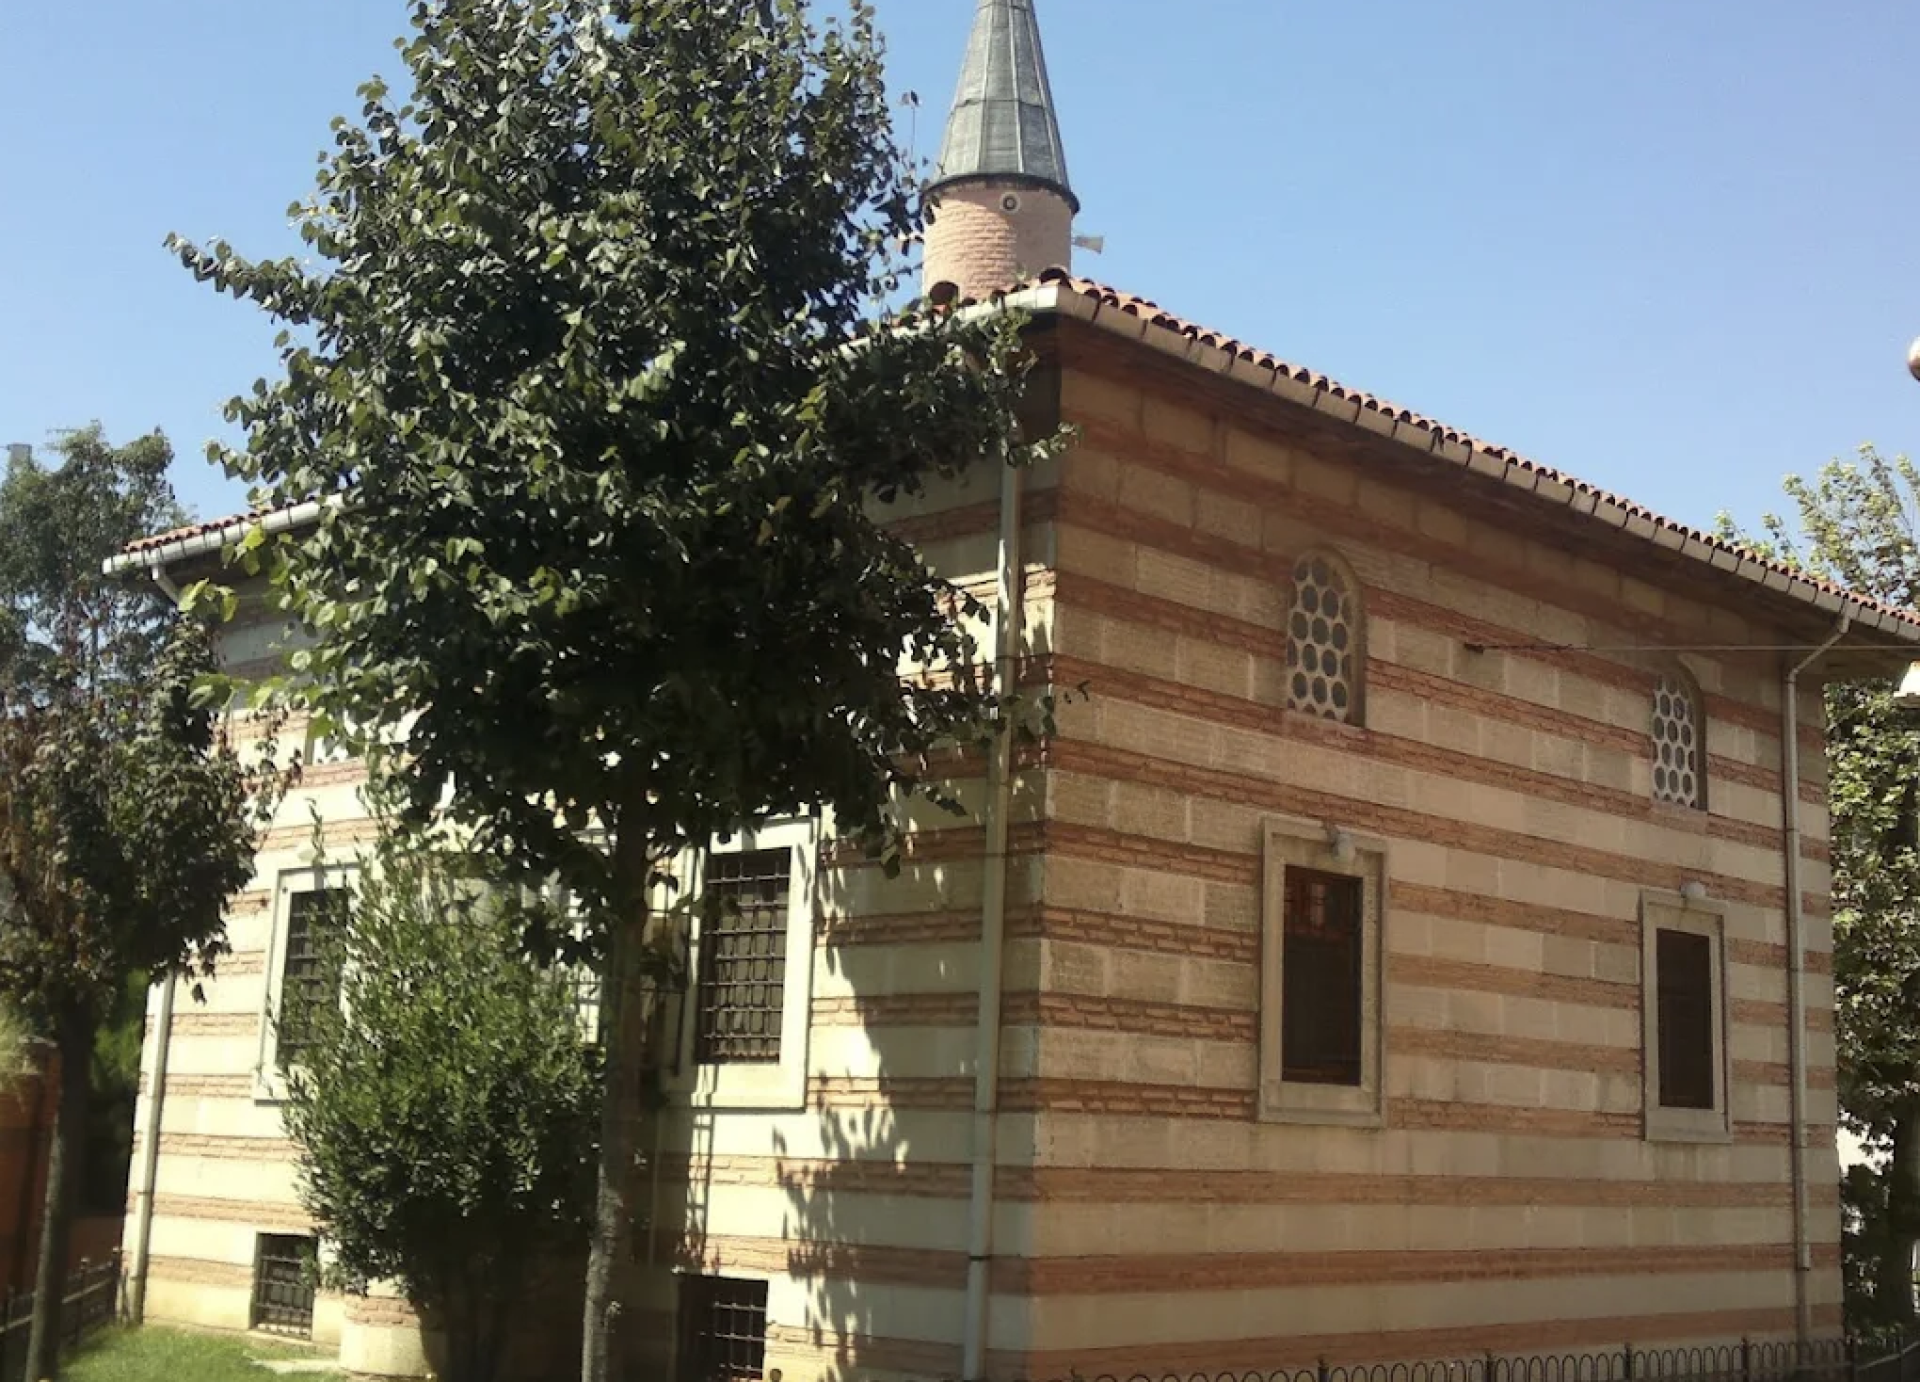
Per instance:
(1002,209)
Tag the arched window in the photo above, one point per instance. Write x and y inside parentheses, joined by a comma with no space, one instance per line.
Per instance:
(1324,636)
(1679,744)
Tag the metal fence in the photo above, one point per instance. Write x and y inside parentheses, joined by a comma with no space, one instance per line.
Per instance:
(88,1304)
(1827,1360)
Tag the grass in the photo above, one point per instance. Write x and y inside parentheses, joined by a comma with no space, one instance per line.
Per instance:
(166,1355)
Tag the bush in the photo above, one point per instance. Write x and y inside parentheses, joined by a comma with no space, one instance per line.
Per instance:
(443,1100)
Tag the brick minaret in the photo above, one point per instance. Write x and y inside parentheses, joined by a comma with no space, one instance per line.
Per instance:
(1002,207)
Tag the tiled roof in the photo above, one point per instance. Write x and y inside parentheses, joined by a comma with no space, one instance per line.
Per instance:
(1578,495)
(192,530)
(1547,484)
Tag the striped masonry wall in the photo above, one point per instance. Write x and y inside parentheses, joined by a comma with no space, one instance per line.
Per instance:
(1147,1219)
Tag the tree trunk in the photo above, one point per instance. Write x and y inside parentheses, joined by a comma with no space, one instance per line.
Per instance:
(624,999)
(1903,1217)
(74,1041)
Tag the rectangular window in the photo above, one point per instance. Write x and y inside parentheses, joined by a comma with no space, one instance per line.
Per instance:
(1323,917)
(283,1284)
(723,1329)
(303,985)
(1687,1072)
(743,957)
(1322,971)
(1684,965)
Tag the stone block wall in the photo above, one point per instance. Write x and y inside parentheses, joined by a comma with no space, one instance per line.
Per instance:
(1510,1199)
(1151,1213)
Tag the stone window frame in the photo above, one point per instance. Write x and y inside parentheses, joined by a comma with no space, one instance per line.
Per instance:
(1356,715)
(1668,911)
(1304,844)
(269,1080)
(771,1085)
(1674,677)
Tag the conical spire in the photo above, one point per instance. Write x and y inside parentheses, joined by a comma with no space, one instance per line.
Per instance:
(1003,124)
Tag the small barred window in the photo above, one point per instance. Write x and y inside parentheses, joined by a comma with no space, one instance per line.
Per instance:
(1677,775)
(1323,643)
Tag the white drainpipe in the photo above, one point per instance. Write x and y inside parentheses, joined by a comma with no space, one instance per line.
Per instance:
(993,923)
(156,1096)
(150,1153)
(1797,981)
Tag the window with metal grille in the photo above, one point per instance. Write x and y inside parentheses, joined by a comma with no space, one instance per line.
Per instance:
(303,981)
(1676,745)
(1684,964)
(723,1329)
(582,978)
(1323,636)
(743,957)
(1321,965)
(283,1284)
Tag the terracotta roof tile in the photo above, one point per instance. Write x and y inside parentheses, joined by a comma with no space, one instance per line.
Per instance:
(1154,314)
(212,525)
(1721,553)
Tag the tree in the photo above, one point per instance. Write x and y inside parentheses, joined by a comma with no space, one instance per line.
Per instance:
(445,1106)
(124,820)
(1856,524)
(598,401)
(113,1093)
(16,1060)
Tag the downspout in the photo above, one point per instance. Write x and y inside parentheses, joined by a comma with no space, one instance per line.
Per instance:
(136,1302)
(1797,982)
(993,924)
(150,1153)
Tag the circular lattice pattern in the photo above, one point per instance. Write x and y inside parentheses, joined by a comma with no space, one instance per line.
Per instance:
(1676,745)
(1322,642)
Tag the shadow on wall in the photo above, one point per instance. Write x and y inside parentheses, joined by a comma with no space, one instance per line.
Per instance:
(861,1196)
(870,1200)
(878,1202)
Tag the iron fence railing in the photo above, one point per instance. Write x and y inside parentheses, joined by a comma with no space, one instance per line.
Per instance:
(88,1303)
(1827,1360)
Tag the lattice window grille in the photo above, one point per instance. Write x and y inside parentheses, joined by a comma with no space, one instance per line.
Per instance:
(723,1329)
(1323,643)
(743,958)
(1676,742)
(283,1287)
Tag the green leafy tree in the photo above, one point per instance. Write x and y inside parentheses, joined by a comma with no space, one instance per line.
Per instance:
(114,1093)
(1855,523)
(124,817)
(445,1108)
(595,390)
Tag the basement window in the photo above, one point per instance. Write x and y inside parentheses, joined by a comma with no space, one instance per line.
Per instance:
(283,1285)
(723,1329)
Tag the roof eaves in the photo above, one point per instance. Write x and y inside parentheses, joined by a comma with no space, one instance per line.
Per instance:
(1143,321)
(156,554)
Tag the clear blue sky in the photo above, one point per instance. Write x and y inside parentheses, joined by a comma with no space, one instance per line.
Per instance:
(1669,247)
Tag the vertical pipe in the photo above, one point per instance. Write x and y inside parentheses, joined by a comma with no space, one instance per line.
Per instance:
(150,1153)
(156,1096)
(993,920)
(1797,984)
